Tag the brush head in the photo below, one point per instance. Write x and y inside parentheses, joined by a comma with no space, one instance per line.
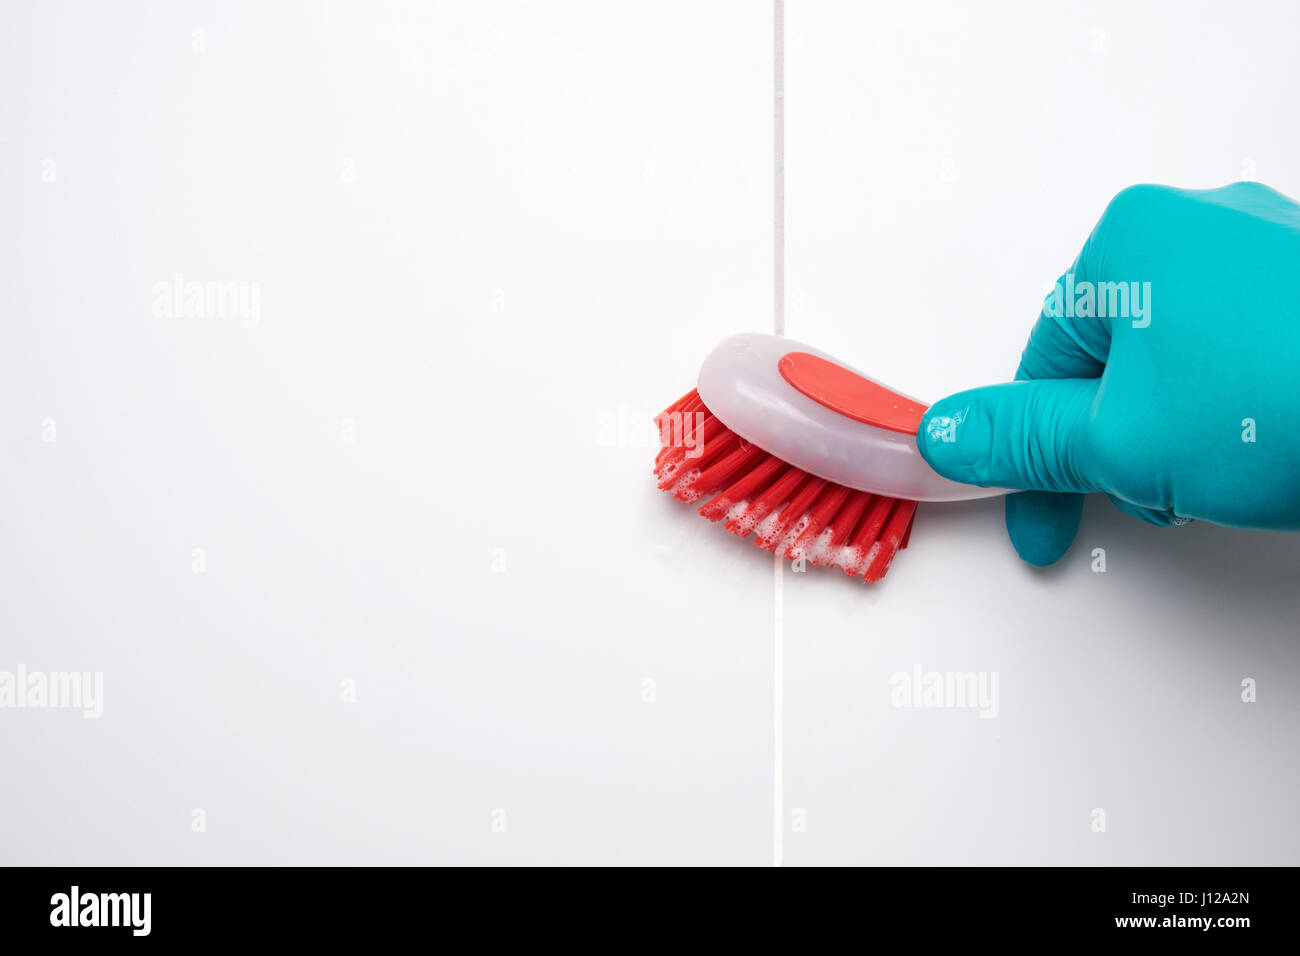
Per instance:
(814,458)
(790,511)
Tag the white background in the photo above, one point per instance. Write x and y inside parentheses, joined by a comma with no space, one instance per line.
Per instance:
(482,233)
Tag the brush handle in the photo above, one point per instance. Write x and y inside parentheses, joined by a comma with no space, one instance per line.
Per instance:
(825,417)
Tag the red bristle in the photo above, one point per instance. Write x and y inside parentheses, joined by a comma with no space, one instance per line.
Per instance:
(907,535)
(685,484)
(841,526)
(788,520)
(687,416)
(724,443)
(744,488)
(877,514)
(795,512)
(818,518)
(687,431)
(711,444)
(734,465)
(770,500)
(691,437)
(846,522)
(865,534)
(889,541)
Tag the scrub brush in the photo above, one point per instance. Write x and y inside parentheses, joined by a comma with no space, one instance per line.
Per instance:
(816,460)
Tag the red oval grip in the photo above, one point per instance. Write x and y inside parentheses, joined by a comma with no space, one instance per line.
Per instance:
(850,394)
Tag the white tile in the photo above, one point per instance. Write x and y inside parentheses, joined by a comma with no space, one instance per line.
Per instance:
(475,229)
(944,164)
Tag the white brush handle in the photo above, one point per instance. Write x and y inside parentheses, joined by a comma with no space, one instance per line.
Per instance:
(742,384)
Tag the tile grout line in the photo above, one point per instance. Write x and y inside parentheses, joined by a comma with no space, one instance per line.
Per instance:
(778,326)
(778,197)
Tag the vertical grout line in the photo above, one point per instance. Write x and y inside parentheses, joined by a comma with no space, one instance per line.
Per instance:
(778,712)
(778,326)
(778,192)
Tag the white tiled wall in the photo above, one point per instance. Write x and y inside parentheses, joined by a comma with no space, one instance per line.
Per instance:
(488,240)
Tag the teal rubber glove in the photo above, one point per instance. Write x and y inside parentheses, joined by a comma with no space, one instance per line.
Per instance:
(1179,403)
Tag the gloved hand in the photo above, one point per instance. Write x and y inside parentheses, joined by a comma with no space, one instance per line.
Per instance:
(1181,401)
